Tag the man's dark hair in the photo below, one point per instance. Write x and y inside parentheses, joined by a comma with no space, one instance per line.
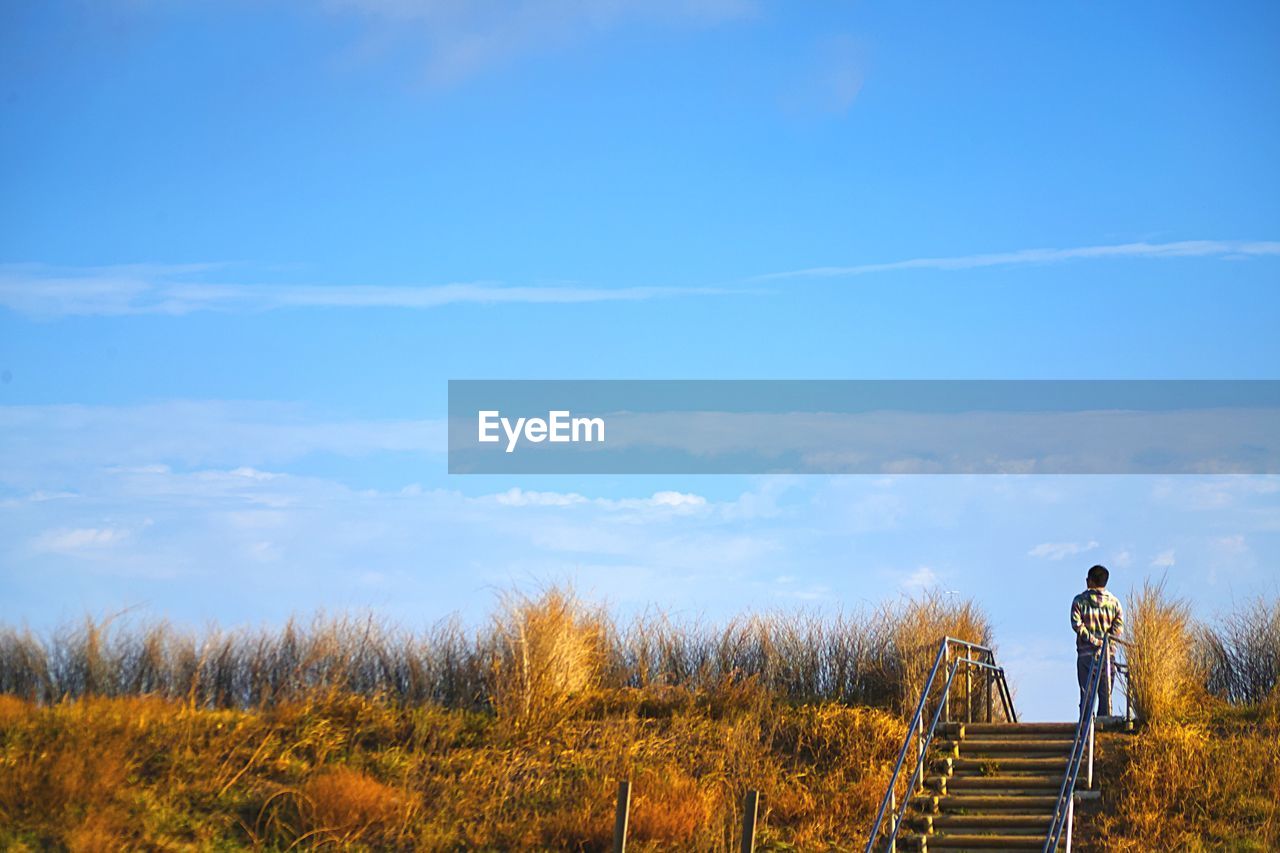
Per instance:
(1098,576)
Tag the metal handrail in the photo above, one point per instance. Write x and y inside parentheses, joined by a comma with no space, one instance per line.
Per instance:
(916,720)
(1062,809)
(925,738)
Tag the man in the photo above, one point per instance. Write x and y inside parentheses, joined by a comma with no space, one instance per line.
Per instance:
(1096,614)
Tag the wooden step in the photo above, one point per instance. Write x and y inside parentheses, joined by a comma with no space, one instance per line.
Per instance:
(1018,803)
(981,824)
(1006,803)
(972,842)
(992,821)
(985,842)
(984,729)
(999,782)
(999,764)
(971,745)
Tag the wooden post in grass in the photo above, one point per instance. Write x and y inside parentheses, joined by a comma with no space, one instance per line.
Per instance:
(621,816)
(750,811)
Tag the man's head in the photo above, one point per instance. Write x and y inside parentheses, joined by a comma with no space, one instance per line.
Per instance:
(1098,577)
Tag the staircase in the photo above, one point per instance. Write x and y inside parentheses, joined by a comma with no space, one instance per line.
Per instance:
(995,784)
(991,786)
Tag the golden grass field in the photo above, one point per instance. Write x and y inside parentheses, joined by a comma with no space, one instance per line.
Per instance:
(142,773)
(1203,771)
(514,737)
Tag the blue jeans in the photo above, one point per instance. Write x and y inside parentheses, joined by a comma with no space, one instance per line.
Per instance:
(1083,664)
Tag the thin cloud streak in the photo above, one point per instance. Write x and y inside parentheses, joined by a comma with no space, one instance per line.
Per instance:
(1227,249)
(44,291)
(128,290)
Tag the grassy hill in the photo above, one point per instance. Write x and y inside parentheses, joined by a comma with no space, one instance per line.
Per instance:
(1209,782)
(347,733)
(1203,771)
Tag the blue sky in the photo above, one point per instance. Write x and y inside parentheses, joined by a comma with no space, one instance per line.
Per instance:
(243,246)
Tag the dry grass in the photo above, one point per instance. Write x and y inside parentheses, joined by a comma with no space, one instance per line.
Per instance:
(536,658)
(1213,784)
(353,735)
(1164,675)
(915,626)
(345,771)
(347,805)
(348,733)
(1203,773)
(551,651)
(1241,655)
(97,832)
(668,809)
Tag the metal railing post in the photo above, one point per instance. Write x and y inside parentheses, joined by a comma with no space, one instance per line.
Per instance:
(946,664)
(1071,821)
(1093,726)
(968,693)
(893,807)
(991,710)
(1105,669)
(920,740)
(1109,674)
(1128,696)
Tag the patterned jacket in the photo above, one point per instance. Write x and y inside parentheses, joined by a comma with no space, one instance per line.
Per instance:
(1094,614)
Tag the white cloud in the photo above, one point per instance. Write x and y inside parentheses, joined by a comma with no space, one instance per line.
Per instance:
(1060,550)
(142,441)
(236,519)
(78,540)
(1163,560)
(521,497)
(665,500)
(667,503)
(38,496)
(677,499)
(1214,493)
(287,542)
(43,291)
(1183,249)
(922,578)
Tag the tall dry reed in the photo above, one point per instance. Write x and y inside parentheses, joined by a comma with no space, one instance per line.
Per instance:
(1241,654)
(534,658)
(915,626)
(550,651)
(1164,675)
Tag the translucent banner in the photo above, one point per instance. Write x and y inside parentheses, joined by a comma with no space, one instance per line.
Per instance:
(864,427)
